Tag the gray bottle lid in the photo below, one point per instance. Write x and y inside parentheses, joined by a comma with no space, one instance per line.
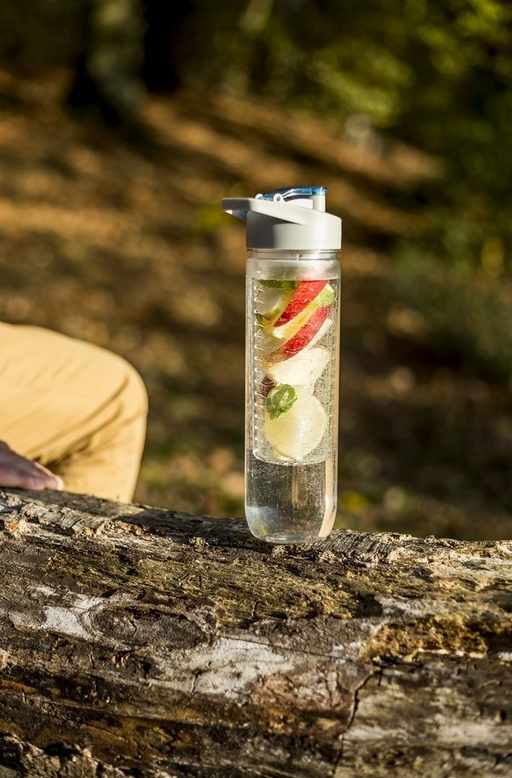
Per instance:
(288,218)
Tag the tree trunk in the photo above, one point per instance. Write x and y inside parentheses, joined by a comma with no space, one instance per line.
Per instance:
(146,643)
(106,82)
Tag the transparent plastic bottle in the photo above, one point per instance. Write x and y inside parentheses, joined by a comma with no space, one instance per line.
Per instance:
(292,365)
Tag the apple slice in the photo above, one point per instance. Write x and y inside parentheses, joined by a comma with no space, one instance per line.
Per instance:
(271,338)
(305,335)
(303,295)
(272,301)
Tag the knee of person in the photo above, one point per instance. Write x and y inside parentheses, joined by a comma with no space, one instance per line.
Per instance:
(134,393)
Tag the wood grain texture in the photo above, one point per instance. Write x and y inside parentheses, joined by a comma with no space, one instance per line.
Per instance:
(142,643)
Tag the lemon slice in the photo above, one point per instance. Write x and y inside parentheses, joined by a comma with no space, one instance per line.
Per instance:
(297,433)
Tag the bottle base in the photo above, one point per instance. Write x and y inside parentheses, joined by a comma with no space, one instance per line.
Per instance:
(290,504)
(290,540)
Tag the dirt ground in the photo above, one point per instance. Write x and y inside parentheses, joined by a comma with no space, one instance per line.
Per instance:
(126,245)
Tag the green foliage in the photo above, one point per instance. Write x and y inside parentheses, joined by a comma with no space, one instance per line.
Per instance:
(435,73)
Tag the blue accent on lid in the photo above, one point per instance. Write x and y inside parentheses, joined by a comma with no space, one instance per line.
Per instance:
(286,193)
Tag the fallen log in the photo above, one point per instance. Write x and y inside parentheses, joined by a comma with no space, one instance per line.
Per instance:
(144,643)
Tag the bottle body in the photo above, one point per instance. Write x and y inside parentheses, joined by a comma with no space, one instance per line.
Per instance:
(292,384)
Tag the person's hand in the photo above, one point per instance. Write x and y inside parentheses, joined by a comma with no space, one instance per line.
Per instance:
(16,470)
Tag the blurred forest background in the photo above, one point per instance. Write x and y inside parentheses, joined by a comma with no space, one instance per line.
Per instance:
(124,122)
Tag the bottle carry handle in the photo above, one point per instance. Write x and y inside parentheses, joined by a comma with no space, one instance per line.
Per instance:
(281,210)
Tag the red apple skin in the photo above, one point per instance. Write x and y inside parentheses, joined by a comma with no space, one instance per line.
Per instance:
(304,336)
(303,295)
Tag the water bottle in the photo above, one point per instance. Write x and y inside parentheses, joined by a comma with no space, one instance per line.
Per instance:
(292,363)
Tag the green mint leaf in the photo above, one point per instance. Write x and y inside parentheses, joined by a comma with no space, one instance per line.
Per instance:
(279,400)
(281,283)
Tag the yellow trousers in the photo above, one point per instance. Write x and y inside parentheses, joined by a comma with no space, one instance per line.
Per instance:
(74,407)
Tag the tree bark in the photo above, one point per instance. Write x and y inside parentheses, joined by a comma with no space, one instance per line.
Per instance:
(146,643)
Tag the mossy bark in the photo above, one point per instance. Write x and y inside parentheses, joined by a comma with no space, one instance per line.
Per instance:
(146,643)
